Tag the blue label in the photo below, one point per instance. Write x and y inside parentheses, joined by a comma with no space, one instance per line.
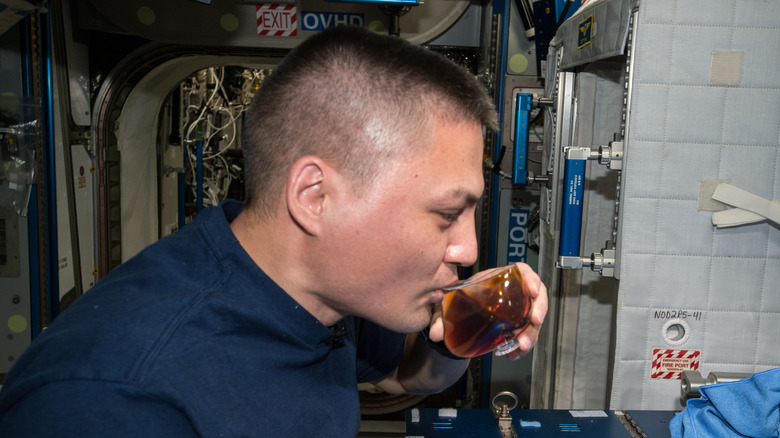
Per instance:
(571,208)
(517,247)
(585,34)
(316,21)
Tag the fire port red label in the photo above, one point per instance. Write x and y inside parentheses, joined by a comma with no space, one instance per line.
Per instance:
(669,364)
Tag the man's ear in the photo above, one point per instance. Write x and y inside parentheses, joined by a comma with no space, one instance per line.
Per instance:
(307,193)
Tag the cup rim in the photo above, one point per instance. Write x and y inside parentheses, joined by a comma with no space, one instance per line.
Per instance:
(480,277)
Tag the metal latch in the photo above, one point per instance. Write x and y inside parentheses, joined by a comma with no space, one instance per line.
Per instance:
(503,416)
(610,155)
(603,262)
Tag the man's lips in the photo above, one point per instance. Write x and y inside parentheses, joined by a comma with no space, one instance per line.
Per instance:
(437,295)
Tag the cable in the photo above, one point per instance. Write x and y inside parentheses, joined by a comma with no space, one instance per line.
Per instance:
(214,120)
(562,17)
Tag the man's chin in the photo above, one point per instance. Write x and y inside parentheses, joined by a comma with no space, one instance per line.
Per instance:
(407,325)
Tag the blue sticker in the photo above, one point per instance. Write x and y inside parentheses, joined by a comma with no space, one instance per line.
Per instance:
(317,20)
(517,246)
(585,34)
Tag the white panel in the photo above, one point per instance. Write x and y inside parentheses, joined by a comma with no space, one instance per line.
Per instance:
(720,285)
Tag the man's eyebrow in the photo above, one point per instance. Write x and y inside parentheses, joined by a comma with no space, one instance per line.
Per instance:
(464,194)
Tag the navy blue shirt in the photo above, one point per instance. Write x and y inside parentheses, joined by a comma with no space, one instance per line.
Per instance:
(191,338)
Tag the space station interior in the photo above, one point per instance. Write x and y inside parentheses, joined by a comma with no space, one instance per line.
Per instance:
(636,168)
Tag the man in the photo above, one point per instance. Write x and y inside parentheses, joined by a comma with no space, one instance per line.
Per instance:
(364,167)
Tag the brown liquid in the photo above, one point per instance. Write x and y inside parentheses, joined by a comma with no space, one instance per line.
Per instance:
(477,318)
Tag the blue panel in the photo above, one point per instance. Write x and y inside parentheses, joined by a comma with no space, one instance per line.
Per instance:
(547,18)
(560,5)
(522,112)
(571,210)
(584,423)
(564,423)
(468,423)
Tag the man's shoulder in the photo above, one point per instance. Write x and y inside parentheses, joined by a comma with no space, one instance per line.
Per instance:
(114,332)
(72,407)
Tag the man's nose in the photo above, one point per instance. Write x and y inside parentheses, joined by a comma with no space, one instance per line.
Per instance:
(462,250)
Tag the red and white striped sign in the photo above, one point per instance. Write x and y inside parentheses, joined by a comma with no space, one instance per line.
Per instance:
(277,20)
(669,364)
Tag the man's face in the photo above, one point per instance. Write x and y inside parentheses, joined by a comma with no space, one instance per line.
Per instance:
(393,246)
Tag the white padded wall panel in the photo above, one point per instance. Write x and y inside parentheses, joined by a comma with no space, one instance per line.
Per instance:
(685,127)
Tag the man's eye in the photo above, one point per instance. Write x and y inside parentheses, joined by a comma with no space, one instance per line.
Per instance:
(450,217)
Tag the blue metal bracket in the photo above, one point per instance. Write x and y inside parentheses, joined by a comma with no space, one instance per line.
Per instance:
(522,116)
(32,210)
(50,165)
(571,209)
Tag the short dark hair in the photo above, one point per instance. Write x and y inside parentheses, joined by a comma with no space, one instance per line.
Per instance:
(355,99)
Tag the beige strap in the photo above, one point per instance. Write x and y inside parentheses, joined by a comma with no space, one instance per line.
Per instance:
(750,208)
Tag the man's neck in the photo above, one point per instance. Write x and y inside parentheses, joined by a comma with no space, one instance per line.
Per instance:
(280,249)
